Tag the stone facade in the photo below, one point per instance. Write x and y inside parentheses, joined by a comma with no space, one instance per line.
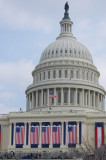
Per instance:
(66,70)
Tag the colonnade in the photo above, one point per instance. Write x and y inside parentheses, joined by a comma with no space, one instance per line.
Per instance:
(68,97)
(28,145)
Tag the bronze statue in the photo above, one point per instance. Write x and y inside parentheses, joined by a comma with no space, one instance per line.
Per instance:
(66,7)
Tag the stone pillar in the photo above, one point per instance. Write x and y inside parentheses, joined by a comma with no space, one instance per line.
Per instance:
(27,103)
(39,146)
(36,99)
(62,99)
(83,97)
(89,104)
(98,102)
(14,135)
(62,124)
(78,133)
(54,98)
(32,100)
(48,97)
(101,102)
(69,96)
(50,146)
(66,134)
(24,146)
(42,98)
(29,134)
(94,99)
(76,94)
(10,128)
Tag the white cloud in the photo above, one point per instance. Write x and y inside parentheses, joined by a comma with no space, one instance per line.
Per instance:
(18,73)
(7,95)
(16,17)
(6,109)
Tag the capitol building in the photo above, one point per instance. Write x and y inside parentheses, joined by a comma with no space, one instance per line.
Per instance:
(65,104)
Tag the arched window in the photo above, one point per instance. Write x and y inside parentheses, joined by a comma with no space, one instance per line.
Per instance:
(59,96)
(77,74)
(40,76)
(83,75)
(65,73)
(54,74)
(59,73)
(56,51)
(43,75)
(71,97)
(48,74)
(65,96)
(72,74)
(78,98)
(65,50)
(87,75)
(61,51)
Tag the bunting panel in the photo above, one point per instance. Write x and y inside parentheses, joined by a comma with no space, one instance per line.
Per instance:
(34,133)
(99,134)
(19,134)
(45,133)
(72,133)
(56,133)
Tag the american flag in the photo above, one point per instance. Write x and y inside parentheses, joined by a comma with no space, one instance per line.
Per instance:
(0,135)
(34,135)
(56,134)
(99,134)
(45,135)
(72,134)
(51,95)
(19,135)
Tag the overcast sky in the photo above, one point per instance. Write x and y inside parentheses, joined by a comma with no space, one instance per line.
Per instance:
(28,26)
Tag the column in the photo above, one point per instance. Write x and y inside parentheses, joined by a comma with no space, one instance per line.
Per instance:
(98,102)
(32,100)
(27,103)
(42,98)
(94,99)
(24,146)
(50,146)
(68,96)
(29,100)
(39,146)
(48,97)
(66,134)
(62,123)
(101,102)
(54,98)
(89,98)
(10,128)
(77,133)
(36,99)
(14,135)
(83,97)
(62,99)
(76,96)
(29,134)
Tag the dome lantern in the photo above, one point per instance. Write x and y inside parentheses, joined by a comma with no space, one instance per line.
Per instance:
(66,23)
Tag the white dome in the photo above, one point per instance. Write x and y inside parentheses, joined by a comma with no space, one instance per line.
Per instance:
(66,47)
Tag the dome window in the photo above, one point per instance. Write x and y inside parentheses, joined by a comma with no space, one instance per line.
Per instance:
(49,53)
(74,51)
(61,51)
(65,51)
(70,51)
(52,52)
(56,51)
